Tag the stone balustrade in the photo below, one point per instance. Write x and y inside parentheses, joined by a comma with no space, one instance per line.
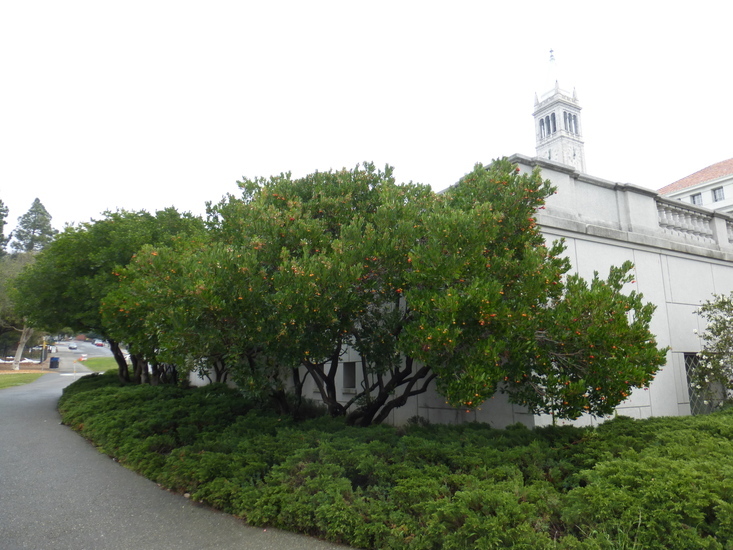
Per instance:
(678,219)
(626,212)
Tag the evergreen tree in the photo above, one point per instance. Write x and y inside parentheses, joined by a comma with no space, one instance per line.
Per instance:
(3,217)
(34,229)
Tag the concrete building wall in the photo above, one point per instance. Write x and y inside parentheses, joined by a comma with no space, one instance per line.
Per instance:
(679,264)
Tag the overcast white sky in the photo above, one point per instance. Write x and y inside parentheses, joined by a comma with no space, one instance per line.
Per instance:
(148,104)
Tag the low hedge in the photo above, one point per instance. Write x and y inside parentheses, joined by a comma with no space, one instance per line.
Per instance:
(659,483)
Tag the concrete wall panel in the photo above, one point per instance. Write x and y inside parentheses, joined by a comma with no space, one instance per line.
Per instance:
(691,280)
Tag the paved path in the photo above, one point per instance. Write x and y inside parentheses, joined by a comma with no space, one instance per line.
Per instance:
(57,492)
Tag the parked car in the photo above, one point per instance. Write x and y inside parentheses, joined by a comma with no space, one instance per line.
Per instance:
(72,345)
(99,343)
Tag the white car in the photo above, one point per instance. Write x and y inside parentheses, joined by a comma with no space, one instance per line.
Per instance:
(72,345)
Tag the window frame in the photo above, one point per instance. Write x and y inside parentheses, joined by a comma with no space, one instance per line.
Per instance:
(348,373)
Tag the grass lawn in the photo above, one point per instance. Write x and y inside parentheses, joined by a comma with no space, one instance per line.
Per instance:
(100,364)
(9,380)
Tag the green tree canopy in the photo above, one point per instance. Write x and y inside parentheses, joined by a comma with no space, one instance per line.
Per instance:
(455,290)
(459,288)
(34,231)
(66,284)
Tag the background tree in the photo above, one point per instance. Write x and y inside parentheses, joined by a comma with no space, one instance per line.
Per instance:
(14,331)
(3,221)
(712,379)
(66,284)
(34,231)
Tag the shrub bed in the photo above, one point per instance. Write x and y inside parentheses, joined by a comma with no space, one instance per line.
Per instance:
(654,484)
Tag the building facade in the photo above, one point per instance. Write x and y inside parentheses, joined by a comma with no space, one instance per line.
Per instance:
(711,187)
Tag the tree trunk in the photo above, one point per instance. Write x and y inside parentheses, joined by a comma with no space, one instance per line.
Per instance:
(123,370)
(155,373)
(298,390)
(221,371)
(326,384)
(163,373)
(402,385)
(25,335)
(402,400)
(139,369)
(279,400)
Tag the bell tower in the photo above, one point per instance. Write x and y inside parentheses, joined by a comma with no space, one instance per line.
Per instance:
(557,125)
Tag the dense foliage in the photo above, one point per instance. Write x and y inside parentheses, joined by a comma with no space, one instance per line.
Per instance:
(456,291)
(458,288)
(661,483)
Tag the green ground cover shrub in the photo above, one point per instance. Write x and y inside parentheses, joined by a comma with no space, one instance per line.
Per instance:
(659,483)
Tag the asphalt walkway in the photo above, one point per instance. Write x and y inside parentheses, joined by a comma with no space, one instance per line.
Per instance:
(57,492)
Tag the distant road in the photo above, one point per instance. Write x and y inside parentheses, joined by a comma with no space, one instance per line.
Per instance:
(83,348)
(57,492)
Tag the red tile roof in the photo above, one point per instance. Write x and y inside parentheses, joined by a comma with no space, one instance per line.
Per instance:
(713,172)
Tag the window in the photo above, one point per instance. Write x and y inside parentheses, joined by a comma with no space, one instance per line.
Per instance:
(349,380)
(696,199)
(703,400)
(571,122)
(718,194)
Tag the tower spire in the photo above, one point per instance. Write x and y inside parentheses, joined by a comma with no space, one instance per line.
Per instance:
(551,76)
(557,123)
